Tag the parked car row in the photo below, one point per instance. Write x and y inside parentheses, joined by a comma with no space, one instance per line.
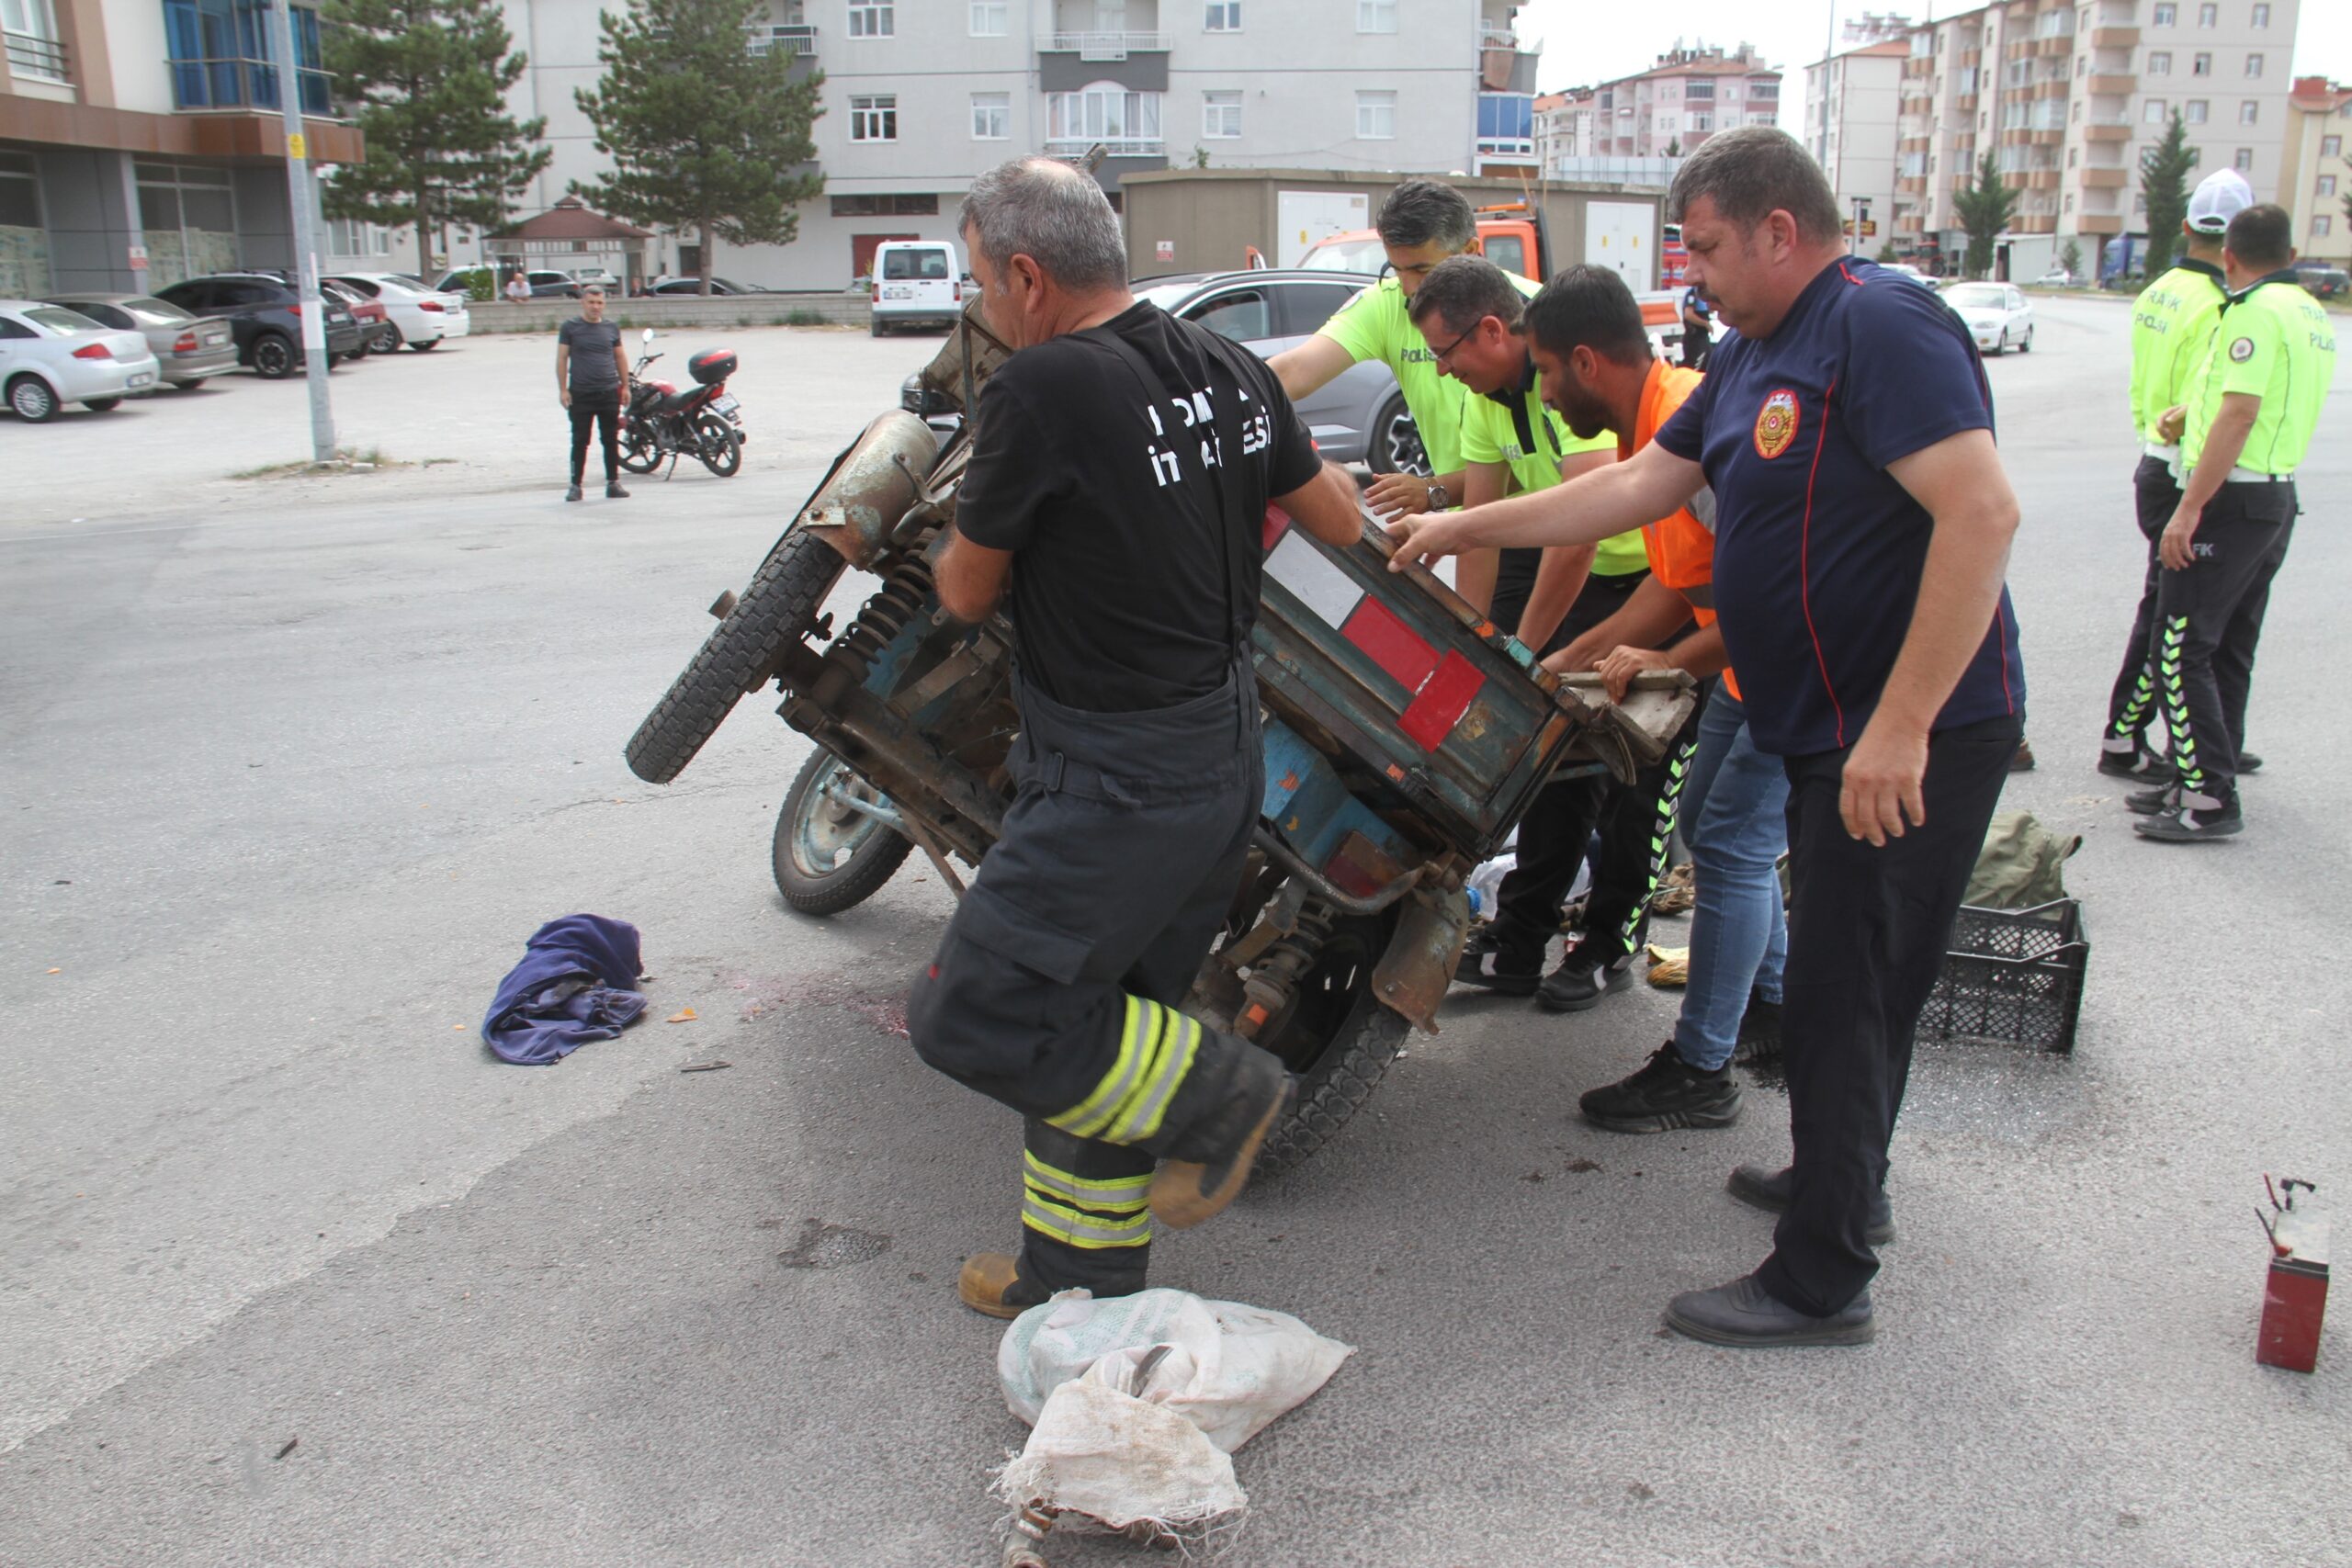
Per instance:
(97,348)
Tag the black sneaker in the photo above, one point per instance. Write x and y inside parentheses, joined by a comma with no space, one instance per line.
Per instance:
(1662,1094)
(612,491)
(1488,963)
(1581,980)
(2193,819)
(2150,802)
(573,493)
(1743,1313)
(1759,1188)
(2249,761)
(1759,1032)
(2134,763)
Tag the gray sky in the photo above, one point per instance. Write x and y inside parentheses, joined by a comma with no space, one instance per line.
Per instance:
(1592,40)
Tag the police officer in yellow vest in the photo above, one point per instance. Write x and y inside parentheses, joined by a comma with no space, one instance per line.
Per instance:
(2251,407)
(1473,319)
(2171,321)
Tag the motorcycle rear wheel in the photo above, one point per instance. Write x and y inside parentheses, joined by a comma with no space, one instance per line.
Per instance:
(1335,1037)
(736,658)
(716,443)
(828,857)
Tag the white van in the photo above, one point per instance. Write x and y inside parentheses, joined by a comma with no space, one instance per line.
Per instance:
(917,283)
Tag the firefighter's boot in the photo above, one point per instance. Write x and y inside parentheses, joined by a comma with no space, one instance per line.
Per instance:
(991,1283)
(1204,1167)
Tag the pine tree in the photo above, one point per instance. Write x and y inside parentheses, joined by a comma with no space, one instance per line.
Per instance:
(704,135)
(1986,208)
(2163,180)
(431,78)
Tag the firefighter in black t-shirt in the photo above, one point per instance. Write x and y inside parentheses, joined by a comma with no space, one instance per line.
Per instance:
(1121,466)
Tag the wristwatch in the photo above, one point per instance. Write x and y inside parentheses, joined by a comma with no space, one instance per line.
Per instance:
(1439,498)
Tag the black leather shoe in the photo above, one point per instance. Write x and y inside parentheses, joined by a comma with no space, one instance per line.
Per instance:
(2249,762)
(1767,1190)
(1745,1314)
(1663,1094)
(1581,981)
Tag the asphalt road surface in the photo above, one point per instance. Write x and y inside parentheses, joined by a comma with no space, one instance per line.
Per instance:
(297,1274)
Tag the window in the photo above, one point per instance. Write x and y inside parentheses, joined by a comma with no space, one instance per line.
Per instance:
(886,207)
(1104,111)
(1376,17)
(2254,65)
(2208,15)
(2200,64)
(1221,115)
(2167,16)
(2243,161)
(2196,115)
(1665,122)
(988,18)
(33,47)
(2160,62)
(874,21)
(1376,115)
(220,53)
(2070,202)
(874,116)
(991,117)
(2331,146)
(2072,154)
(2321,225)
(1223,17)
(2249,113)
(1703,122)
(350,237)
(1244,317)
(2155,112)
(2327,185)
(2262,15)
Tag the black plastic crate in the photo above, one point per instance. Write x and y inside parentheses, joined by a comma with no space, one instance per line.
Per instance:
(2012,976)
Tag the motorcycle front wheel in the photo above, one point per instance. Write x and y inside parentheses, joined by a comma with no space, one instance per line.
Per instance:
(716,443)
(829,856)
(640,454)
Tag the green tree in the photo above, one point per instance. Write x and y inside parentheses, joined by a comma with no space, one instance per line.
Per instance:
(1887,253)
(2163,180)
(1986,208)
(430,78)
(2070,256)
(705,136)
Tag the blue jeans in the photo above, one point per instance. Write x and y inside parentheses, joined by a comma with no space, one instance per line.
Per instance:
(1734,807)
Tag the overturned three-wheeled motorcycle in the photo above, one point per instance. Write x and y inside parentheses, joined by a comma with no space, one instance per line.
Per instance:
(1404,736)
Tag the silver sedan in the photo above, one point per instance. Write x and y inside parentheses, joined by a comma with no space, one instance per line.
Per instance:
(187,348)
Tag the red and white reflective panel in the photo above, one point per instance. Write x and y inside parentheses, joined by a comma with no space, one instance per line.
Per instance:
(1439,687)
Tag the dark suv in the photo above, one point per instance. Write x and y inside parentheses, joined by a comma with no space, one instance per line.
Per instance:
(2325,282)
(265,315)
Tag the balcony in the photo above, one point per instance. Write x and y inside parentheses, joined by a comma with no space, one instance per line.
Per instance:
(237,83)
(2099,223)
(1112,146)
(2054,47)
(1912,184)
(1964,102)
(2114,37)
(1919,65)
(2106,179)
(795,40)
(2106,84)
(1105,47)
(2107,131)
(2034,223)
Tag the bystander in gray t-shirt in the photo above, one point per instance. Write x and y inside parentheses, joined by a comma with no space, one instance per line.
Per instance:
(591,344)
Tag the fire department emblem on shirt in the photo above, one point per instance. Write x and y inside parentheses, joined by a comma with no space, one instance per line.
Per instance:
(2242,350)
(1776,423)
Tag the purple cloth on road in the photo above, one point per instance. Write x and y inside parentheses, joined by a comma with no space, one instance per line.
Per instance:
(576,983)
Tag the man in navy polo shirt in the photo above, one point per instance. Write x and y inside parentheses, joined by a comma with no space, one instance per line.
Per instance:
(1863,526)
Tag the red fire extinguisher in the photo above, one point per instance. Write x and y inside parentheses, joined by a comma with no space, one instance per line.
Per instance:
(2295,1298)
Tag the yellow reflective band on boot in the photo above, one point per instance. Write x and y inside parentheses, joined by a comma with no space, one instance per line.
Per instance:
(1157,1045)
(1082,1213)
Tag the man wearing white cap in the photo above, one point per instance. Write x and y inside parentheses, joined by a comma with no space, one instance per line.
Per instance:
(2171,322)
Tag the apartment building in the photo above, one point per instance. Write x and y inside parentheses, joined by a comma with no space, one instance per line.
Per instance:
(921,96)
(1687,97)
(140,141)
(1851,113)
(2068,96)
(2315,176)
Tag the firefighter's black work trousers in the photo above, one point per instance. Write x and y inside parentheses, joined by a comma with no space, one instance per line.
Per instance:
(2209,621)
(2132,707)
(1868,927)
(1055,989)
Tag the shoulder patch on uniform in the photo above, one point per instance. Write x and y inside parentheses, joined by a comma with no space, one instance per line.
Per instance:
(2242,350)
(1776,423)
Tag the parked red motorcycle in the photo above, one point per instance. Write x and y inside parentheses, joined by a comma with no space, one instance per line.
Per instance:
(660,421)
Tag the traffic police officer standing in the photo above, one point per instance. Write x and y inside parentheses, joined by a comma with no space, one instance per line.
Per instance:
(1863,523)
(2251,408)
(2171,320)
(1123,462)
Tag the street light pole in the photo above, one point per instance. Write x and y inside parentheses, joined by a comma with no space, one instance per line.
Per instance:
(302,203)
